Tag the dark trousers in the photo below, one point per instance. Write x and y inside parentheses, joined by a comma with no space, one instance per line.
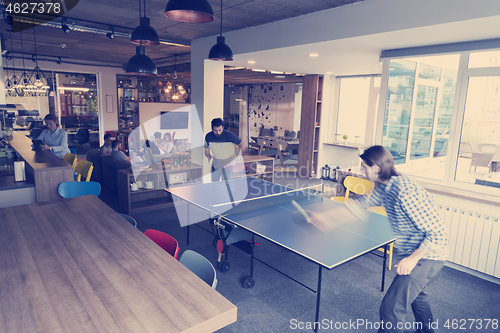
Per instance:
(406,291)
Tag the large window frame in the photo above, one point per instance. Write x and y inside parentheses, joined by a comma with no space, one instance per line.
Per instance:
(448,183)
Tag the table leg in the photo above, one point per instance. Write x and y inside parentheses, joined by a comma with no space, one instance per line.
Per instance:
(384,266)
(318,297)
(187,216)
(249,282)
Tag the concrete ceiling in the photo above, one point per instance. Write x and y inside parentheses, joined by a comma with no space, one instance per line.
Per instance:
(340,56)
(123,15)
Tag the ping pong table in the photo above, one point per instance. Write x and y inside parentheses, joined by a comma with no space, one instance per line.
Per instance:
(316,228)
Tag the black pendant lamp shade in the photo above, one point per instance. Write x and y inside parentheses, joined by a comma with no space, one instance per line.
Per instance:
(141,64)
(145,33)
(190,11)
(220,51)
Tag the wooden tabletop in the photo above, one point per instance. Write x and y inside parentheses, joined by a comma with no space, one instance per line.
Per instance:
(74,265)
(35,159)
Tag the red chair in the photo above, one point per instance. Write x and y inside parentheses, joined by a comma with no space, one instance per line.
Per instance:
(165,241)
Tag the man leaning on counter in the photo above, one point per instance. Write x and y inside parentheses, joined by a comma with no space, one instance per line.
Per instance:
(54,138)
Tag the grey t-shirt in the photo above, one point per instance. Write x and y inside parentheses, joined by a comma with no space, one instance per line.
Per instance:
(118,155)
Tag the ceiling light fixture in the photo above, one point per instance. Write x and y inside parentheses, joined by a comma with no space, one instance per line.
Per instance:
(251,61)
(220,51)
(313,55)
(38,79)
(141,64)
(189,11)
(111,35)
(73,88)
(144,34)
(65,27)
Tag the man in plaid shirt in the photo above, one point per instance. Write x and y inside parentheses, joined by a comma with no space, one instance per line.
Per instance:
(421,239)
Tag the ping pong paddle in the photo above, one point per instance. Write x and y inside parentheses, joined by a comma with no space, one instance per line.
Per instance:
(220,249)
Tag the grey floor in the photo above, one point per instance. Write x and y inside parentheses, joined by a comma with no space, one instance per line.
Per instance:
(350,293)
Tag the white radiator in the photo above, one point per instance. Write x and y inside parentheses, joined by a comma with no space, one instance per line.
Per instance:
(474,236)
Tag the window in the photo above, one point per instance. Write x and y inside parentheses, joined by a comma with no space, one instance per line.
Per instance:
(479,155)
(356,109)
(420,97)
(423,124)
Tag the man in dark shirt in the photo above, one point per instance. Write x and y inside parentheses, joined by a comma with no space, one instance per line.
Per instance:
(117,154)
(106,147)
(216,136)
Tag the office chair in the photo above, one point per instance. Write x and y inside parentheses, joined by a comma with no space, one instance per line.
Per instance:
(82,136)
(200,266)
(165,241)
(76,189)
(381,210)
(357,185)
(84,169)
(71,160)
(35,132)
(363,186)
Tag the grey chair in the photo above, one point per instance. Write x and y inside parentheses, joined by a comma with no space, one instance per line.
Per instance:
(200,266)
(266,132)
(35,133)
(479,158)
(129,219)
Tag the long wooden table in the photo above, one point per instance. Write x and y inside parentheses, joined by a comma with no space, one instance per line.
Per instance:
(74,265)
(46,169)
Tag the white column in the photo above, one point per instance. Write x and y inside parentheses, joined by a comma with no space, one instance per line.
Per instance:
(207,95)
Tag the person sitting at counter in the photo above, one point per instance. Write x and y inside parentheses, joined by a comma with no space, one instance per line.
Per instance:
(116,153)
(54,138)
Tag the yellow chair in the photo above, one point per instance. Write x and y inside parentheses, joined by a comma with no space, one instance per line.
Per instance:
(84,169)
(363,186)
(71,160)
(357,185)
(381,210)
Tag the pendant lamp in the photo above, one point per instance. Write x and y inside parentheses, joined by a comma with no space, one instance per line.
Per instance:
(141,64)
(189,11)
(38,79)
(220,51)
(144,32)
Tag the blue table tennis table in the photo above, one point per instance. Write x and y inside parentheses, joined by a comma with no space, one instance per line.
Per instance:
(316,228)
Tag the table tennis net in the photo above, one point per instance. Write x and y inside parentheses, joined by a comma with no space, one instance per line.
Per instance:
(265,201)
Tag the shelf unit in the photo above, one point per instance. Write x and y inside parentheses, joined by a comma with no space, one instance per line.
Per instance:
(131,91)
(147,199)
(310,122)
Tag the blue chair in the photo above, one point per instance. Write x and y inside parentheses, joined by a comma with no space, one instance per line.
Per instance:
(72,150)
(200,266)
(76,189)
(129,219)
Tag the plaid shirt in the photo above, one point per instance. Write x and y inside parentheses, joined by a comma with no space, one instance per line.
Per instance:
(414,218)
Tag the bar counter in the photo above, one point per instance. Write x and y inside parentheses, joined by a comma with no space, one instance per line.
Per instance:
(46,169)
